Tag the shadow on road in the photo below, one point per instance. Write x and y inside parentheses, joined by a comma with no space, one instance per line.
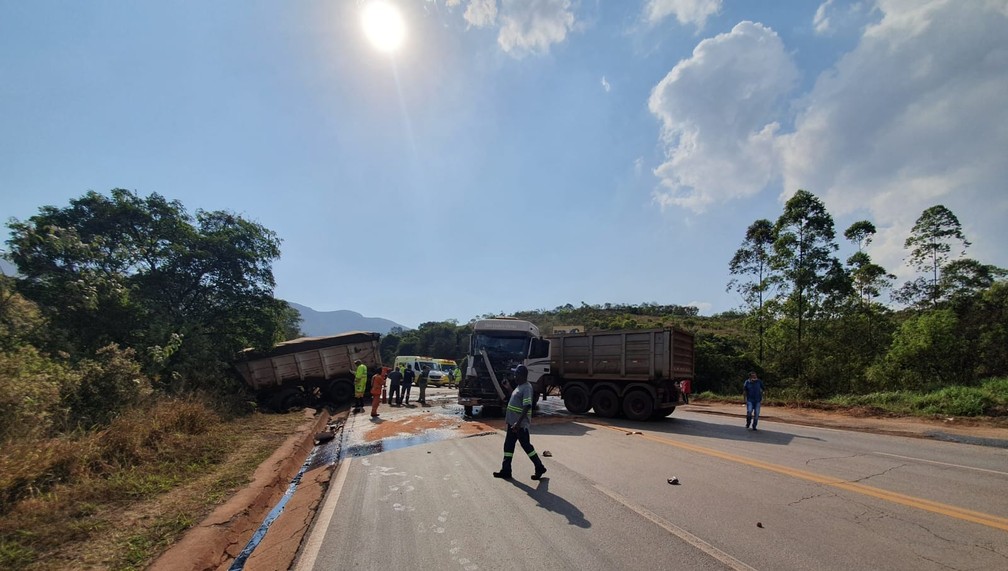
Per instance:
(553,502)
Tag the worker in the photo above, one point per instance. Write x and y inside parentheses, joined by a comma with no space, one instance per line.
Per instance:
(395,380)
(422,384)
(518,418)
(360,382)
(407,384)
(377,387)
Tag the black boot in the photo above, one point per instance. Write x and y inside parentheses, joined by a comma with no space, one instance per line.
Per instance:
(540,470)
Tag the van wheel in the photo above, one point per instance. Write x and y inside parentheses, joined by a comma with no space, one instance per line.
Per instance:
(638,405)
(606,403)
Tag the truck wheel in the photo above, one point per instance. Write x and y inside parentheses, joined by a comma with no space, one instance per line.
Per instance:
(468,410)
(660,413)
(576,399)
(638,405)
(340,391)
(288,399)
(606,403)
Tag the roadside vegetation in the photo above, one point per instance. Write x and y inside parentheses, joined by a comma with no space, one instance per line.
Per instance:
(122,423)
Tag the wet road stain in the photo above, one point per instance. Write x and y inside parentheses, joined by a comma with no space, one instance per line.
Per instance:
(397,443)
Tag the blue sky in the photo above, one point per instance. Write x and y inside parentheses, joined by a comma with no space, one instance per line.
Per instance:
(514,154)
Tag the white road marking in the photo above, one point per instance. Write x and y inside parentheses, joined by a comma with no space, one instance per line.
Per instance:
(679,532)
(307,560)
(941,463)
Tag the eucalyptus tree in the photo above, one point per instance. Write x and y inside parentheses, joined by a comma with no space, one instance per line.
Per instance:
(931,241)
(803,259)
(752,259)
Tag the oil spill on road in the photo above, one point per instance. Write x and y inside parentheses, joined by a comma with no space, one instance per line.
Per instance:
(397,443)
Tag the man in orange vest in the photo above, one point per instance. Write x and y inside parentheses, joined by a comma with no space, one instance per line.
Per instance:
(377,386)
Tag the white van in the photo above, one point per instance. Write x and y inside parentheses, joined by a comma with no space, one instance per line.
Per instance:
(436,377)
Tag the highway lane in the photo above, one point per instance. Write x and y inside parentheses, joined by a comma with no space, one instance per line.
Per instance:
(786,497)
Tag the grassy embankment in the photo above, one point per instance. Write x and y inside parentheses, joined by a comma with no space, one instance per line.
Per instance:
(116,498)
(990,399)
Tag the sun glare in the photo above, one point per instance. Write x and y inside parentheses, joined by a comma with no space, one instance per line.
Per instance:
(383,25)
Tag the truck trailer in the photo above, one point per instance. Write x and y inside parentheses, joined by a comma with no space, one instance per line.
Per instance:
(295,371)
(635,372)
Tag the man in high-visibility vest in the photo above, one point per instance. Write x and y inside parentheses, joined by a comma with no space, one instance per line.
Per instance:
(360,383)
(518,417)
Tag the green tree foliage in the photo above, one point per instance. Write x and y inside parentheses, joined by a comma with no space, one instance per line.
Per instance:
(927,352)
(930,244)
(142,273)
(753,259)
(808,273)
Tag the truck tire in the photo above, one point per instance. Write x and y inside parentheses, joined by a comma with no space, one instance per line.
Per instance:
(289,398)
(576,399)
(606,403)
(468,410)
(660,413)
(638,405)
(340,391)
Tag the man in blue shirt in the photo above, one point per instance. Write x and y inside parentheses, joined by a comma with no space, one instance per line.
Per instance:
(752,390)
(518,418)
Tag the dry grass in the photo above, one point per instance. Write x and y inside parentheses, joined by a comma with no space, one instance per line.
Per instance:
(115,499)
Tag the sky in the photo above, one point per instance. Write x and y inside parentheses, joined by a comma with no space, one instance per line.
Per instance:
(514,155)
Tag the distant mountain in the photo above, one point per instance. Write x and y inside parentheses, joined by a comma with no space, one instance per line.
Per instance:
(323,323)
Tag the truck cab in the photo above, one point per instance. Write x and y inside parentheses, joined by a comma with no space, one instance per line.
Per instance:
(496,347)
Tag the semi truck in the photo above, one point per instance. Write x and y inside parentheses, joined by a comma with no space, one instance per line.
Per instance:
(293,372)
(635,373)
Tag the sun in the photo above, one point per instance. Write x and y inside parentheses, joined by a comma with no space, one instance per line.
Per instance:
(383,25)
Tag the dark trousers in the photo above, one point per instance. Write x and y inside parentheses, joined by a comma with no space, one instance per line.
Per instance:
(359,403)
(405,393)
(393,396)
(520,436)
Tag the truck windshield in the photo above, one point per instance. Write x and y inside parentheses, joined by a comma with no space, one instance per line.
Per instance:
(495,344)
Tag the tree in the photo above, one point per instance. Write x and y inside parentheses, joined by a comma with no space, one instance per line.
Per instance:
(930,244)
(142,273)
(803,255)
(753,259)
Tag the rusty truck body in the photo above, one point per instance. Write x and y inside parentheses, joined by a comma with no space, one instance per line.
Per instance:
(308,368)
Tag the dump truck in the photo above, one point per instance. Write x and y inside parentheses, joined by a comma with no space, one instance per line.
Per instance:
(635,373)
(309,368)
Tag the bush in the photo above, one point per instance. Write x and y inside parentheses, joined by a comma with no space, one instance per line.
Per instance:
(30,388)
(109,384)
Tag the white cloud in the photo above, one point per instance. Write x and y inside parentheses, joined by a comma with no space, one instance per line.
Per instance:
(915,115)
(605,84)
(532,26)
(821,21)
(693,12)
(480,13)
(716,110)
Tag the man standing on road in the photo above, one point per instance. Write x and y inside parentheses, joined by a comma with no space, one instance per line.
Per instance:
(377,385)
(395,378)
(752,390)
(360,381)
(407,384)
(422,384)
(518,418)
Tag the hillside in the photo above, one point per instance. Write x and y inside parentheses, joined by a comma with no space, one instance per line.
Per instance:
(322,323)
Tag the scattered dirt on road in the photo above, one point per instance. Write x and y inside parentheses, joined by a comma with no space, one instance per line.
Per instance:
(422,423)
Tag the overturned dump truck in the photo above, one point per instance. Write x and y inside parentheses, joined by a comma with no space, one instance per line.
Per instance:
(307,369)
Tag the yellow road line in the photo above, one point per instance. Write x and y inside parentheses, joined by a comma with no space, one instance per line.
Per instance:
(902,499)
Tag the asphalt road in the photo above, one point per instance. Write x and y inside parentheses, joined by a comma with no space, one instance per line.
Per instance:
(785,497)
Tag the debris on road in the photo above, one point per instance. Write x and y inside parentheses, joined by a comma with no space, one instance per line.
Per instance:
(323,437)
(674,481)
(547,453)
(759,524)
(634,432)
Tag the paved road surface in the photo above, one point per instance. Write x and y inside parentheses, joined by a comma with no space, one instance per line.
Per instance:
(786,497)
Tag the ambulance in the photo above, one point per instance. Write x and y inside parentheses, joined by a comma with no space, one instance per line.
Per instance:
(436,377)
(451,370)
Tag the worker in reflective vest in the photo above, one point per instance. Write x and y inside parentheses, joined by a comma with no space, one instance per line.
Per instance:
(360,383)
